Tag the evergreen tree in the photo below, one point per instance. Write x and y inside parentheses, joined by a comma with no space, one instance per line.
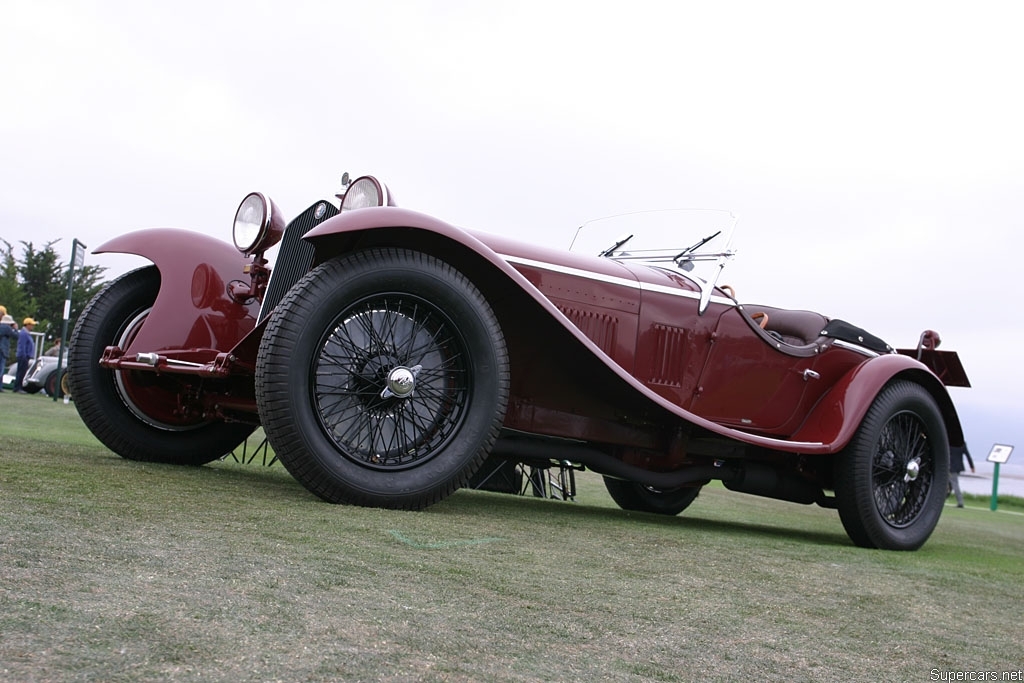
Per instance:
(87,285)
(11,294)
(37,286)
(39,274)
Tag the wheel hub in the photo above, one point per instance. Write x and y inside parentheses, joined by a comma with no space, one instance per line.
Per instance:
(401,382)
(913,469)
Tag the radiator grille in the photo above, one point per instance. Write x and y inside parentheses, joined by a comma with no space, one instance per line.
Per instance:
(295,257)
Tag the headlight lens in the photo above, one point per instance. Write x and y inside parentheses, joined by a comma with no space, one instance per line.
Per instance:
(258,224)
(365,192)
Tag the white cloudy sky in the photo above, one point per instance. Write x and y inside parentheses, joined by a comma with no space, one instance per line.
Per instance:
(873,151)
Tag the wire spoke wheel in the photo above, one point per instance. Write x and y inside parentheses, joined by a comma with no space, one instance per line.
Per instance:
(890,478)
(136,414)
(382,379)
(371,344)
(902,470)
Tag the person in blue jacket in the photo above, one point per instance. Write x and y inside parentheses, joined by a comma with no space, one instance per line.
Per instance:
(7,333)
(26,351)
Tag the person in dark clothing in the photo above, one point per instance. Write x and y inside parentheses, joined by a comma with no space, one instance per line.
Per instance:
(26,351)
(956,466)
(7,334)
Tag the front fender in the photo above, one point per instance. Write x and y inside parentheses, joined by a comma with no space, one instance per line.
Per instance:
(193,309)
(828,428)
(342,231)
(838,414)
(470,252)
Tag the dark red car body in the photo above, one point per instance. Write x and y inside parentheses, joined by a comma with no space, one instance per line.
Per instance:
(646,374)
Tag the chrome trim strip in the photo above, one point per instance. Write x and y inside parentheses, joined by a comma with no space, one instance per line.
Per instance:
(853,347)
(611,279)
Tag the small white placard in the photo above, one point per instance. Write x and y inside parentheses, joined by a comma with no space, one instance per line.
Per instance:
(1000,453)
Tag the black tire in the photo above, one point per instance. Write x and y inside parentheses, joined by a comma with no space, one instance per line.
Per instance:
(335,340)
(630,495)
(51,382)
(132,414)
(891,478)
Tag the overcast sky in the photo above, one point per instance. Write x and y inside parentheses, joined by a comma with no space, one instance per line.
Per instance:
(873,152)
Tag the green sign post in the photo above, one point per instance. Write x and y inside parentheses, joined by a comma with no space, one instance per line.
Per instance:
(999,454)
(77,259)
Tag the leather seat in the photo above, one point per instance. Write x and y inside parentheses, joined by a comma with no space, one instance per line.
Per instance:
(797,328)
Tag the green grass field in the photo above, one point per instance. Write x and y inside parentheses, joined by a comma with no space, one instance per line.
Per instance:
(112,570)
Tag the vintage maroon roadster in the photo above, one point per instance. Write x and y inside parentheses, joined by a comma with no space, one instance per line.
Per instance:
(391,357)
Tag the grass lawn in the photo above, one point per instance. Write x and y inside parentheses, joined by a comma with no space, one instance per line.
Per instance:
(119,571)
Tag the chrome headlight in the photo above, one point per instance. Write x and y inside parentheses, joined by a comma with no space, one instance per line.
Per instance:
(365,192)
(258,224)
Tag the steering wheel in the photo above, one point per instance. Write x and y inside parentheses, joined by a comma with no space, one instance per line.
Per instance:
(728,290)
(763,316)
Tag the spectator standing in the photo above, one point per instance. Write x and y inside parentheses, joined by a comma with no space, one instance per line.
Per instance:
(7,333)
(53,350)
(26,351)
(956,466)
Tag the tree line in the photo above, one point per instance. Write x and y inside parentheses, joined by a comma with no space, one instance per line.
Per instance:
(36,286)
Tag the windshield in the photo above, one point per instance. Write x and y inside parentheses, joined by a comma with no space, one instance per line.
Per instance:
(695,240)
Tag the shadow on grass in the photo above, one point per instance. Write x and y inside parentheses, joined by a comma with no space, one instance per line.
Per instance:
(498,505)
(275,482)
(258,480)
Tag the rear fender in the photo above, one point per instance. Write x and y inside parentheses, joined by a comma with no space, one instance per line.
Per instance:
(193,309)
(838,414)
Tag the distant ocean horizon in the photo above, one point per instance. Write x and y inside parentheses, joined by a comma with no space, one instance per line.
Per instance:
(1011,477)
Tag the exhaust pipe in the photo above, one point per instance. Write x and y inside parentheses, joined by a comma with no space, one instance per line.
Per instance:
(754,478)
(602,463)
(761,480)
